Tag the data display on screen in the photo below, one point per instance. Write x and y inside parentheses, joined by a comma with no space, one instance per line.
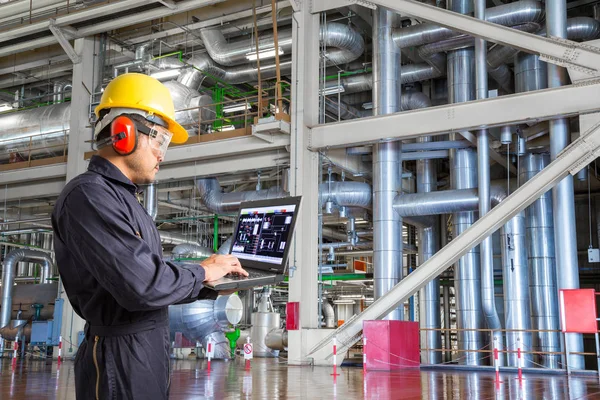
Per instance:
(263,233)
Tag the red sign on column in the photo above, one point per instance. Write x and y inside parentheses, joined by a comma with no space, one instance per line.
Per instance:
(292,320)
(578,310)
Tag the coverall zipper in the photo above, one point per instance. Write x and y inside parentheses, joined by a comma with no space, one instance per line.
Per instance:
(96,338)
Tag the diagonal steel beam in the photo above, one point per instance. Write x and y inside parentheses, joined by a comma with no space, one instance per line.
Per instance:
(64,43)
(577,56)
(574,158)
(505,110)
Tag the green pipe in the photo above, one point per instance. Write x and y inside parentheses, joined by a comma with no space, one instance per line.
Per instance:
(216,234)
(179,55)
(349,73)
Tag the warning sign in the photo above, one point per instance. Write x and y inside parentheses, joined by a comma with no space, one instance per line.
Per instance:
(248,351)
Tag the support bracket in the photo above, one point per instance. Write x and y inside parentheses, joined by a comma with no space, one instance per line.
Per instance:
(64,41)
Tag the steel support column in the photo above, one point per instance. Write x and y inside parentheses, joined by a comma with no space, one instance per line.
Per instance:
(80,125)
(304,170)
(565,236)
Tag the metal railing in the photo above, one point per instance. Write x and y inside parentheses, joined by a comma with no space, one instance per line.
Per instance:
(33,148)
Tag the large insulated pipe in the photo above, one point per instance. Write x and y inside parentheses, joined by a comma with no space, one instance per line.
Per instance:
(563,193)
(328,314)
(447,201)
(467,271)
(346,194)
(516,291)
(9,272)
(218,202)
(488,298)
(461,88)
(531,74)
(387,224)
(347,43)
(511,14)
(542,267)
(429,296)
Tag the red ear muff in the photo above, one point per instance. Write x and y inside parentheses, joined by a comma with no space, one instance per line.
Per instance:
(125,133)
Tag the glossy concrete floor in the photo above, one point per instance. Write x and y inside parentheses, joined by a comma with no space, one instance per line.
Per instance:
(272,379)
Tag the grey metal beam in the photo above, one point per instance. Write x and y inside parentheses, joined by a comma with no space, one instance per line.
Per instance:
(64,43)
(224,165)
(73,18)
(30,190)
(503,110)
(33,174)
(574,158)
(186,5)
(223,148)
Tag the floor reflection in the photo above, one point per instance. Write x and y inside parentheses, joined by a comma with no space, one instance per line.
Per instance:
(273,379)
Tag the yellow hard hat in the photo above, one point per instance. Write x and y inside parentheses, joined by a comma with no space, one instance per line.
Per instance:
(142,92)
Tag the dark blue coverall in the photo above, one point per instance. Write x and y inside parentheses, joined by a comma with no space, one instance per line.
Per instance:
(109,256)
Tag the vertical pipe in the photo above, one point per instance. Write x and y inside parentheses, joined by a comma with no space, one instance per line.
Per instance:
(542,266)
(467,271)
(563,193)
(151,200)
(516,290)
(387,224)
(216,233)
(483,168)
(429,296)
(461,88)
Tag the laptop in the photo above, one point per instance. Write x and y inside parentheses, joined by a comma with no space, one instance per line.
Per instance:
(262,243)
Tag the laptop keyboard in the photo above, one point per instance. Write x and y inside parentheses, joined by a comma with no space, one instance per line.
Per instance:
(251,274)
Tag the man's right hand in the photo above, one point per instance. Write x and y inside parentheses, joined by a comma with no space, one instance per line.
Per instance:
(218,265)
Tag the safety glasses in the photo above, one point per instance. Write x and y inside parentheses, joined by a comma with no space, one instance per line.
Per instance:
(160,138)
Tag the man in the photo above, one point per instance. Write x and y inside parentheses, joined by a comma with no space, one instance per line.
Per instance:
(109,253)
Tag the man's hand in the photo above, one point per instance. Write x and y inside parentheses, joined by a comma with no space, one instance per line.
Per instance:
(217,266)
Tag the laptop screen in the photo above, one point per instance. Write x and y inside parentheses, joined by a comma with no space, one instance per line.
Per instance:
(264,232)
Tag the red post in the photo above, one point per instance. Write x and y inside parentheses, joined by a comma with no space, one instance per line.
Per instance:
(59,350)
(520,360)
(497,367)
(15,348)
(335,374)
(209,348)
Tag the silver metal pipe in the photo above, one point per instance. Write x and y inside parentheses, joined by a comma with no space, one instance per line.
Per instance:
(511,14)
(429,296)
(175,238)
(348,45)
(387,224)
(516,291)
(563,193)
(467,272)
(277,339)
(531,74)
(346,194)
(192,250)
(203,65)
(151,200)
(217,202)
(488,299)
(10,271)
(328,314)
(578,28)
(542,266)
